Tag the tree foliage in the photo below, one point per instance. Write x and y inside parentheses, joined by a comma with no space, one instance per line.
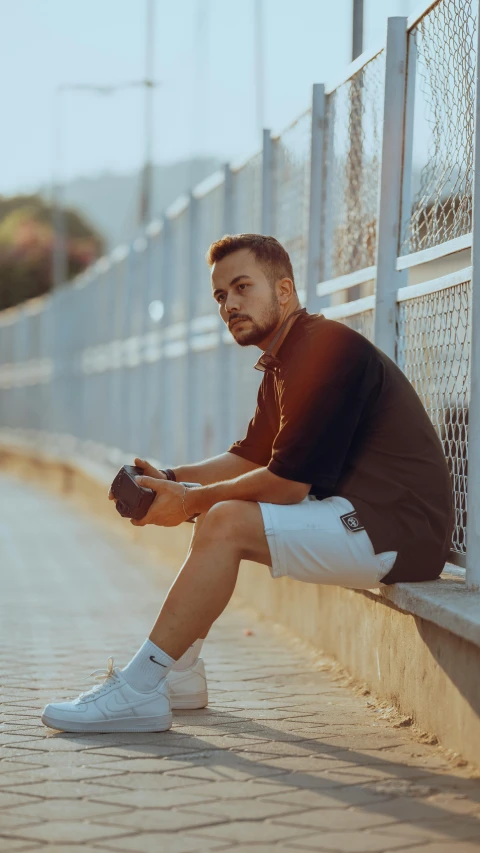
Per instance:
(26,247)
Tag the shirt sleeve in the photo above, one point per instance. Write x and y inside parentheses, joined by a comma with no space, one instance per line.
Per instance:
(323,400)
(257,444)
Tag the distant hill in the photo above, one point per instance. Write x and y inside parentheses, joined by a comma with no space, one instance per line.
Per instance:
(111,201)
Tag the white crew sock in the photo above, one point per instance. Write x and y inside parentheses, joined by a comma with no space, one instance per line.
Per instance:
(147,668)
(189,658)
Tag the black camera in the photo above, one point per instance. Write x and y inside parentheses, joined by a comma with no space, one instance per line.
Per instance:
(132,500)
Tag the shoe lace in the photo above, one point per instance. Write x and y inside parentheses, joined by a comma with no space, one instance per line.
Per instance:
(103,675)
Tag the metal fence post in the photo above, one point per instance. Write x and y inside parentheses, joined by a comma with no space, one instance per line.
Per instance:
(406,202)
(192,389)
(267,184)
(314,255)
(473,482)
(388,278)
(167,411)
(227,352)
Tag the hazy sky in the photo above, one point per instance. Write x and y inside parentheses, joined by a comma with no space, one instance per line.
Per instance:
(206,103)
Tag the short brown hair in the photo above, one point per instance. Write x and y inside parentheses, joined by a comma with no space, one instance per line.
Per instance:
(269,253)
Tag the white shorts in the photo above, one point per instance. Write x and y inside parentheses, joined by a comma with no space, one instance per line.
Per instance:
(309,542)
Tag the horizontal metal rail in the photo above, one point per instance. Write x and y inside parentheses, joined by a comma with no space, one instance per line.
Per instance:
(343,282)
(434,285)
(349,309)
(450,247)
(354,68)
(209,184)
(420,13)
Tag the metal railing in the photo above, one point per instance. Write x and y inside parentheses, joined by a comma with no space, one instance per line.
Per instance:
(132,359)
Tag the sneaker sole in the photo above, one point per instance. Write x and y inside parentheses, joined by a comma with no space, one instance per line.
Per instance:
(140,724)
(189,702)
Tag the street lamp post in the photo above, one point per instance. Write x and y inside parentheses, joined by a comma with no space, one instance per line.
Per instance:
(147,178)
(59,259)
(259,49)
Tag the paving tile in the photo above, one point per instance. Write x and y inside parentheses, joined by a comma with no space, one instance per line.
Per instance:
(455,827)
(262,848)
(62,848)
(227,766)
(143,781)
(236,790)
(456,805)
(60,774)
(145,765)
(251,831)
(76,759)
(335,819)
(134,750)
(66,832)
(159,842)
(9,820)
(154,799)
(9,767)
(59,790)
(447,847)
(15,845)
(47,809)
(158,820)
(12,798)
(338,798)
(353,842)
(237,810)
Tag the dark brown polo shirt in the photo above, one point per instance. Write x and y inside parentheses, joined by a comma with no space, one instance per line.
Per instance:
(340,415)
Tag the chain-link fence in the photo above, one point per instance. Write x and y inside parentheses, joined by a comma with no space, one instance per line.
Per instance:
(434,335)
(352,170)
(443,42)
(209,219)
(247,196)
(363,323)
(291,192)
(209,226)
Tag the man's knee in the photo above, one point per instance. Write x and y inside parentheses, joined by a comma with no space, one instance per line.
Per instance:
(227,521)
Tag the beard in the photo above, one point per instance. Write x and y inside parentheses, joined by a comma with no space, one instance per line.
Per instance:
(259,329)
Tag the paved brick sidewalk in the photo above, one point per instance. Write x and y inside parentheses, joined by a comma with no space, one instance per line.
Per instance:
(284,758)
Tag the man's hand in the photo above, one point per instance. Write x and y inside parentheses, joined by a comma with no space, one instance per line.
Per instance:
(166,509)
(149,471)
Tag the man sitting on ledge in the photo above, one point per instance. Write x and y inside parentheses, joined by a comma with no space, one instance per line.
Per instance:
(340,479)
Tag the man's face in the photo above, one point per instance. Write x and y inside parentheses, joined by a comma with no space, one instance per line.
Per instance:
(247,301)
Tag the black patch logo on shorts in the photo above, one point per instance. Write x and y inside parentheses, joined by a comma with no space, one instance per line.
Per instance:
(352,522)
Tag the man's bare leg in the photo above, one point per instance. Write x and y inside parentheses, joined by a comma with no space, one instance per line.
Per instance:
(227,533)
(196,530)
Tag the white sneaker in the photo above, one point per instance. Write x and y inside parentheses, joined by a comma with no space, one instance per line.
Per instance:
(113,706)
(188,688)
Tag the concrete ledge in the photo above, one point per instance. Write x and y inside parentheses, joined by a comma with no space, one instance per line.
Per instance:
(417,645)
(445,602)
